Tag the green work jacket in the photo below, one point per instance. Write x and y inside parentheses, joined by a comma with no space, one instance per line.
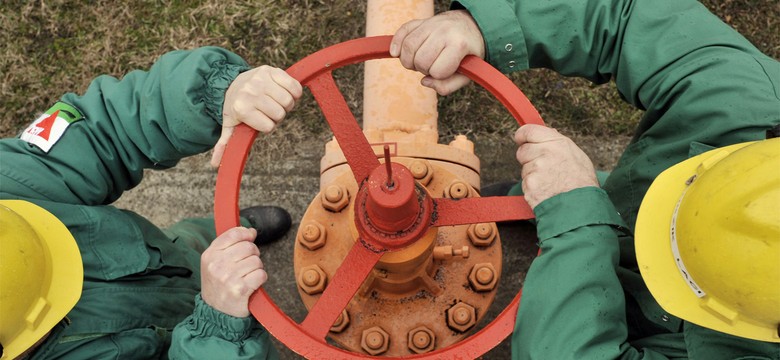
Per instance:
(140,298)
(702,85)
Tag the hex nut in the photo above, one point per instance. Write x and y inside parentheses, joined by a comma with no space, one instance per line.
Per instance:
(461,317)
(341,323)
(482,234)
(375,341)
(422,171)
(335,198)
(312,279)
(483,277)
(312,235)
(457,190)
(421,340)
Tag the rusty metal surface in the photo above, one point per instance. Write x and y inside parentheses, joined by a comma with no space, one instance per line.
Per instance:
(400,298)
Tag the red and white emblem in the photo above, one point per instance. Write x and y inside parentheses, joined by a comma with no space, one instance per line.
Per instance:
(46,130)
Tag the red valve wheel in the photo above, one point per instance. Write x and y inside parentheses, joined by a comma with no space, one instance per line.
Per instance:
(315,72)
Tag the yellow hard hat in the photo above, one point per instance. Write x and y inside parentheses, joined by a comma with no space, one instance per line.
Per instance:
(708,240)
(41,274)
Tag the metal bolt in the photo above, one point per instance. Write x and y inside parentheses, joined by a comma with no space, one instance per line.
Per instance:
(341,323)
(483,277)
(335,198)
(375,341)
(312,279)
(483,230)
(311,233)
(482,234)
(313,236)
(333,193)
(447,252)
(461,317)
(457,190)
(421,340)
(422,171)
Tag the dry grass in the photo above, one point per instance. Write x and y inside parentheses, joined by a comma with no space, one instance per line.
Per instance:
(52,47)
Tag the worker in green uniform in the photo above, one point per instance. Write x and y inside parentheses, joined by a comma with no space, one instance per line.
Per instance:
(702,86)
(82,279)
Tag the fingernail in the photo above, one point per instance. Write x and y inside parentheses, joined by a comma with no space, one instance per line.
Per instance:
(393,50)
(426,81)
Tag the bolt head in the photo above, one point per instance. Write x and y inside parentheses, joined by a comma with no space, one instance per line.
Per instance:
(483,277)
(422,171)
(312,279)
(482,234)
(461,317)
(335,198)
(341,323)
(375,341)
(312,235)
(421,340)
(457,190)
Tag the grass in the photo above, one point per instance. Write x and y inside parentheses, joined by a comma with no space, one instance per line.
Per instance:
(52,47)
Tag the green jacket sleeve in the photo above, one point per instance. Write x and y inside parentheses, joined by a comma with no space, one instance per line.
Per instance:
(573,305)
(210,334)
(148,119)
(697,78)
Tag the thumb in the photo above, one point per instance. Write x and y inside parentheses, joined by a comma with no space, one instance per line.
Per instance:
(219,148)
(446,86)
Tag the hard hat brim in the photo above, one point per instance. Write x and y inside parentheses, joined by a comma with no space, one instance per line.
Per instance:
(657,261)
(67,275)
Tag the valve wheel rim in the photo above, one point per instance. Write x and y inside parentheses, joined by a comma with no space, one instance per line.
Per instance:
(315,72)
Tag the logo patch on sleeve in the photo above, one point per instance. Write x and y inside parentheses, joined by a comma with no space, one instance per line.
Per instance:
(45,131)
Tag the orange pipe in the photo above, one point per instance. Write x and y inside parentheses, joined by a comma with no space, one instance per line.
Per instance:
(397,110)
(395,106)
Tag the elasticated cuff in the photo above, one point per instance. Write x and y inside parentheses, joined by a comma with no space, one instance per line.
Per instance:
(217,82)
(574,209)
(497,22)
(208,321)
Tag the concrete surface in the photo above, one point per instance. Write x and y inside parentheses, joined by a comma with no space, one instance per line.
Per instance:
(286,174)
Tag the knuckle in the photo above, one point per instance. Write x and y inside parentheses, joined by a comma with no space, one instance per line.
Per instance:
(245,247)
(277,114)
(255,262)
(238,290)
(421,63)
(287,102)
(266,126)
(222,275)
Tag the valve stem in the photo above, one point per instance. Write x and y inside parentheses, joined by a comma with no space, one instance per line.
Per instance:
(390,184)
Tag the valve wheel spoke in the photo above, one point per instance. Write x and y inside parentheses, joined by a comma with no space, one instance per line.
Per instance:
(480,210)
(348,278)
(353,143)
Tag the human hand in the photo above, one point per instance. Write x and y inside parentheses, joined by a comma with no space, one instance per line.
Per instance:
(436,46)
(551,163)
(260,98)
(231,270)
